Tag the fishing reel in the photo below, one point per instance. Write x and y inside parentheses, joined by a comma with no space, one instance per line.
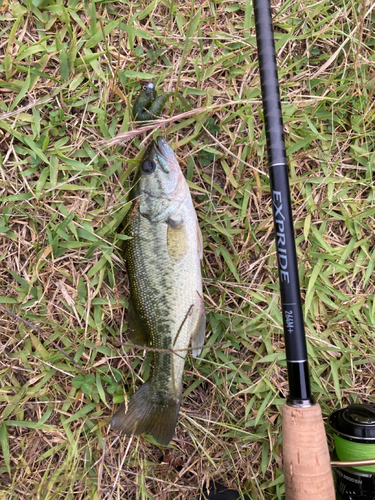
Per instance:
(353,458)
(354,434)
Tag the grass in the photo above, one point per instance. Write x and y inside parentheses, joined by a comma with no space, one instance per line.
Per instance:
(68,71)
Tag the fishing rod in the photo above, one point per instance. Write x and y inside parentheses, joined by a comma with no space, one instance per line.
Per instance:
(306,460)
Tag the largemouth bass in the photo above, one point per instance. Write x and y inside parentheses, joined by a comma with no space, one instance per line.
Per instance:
(166,309)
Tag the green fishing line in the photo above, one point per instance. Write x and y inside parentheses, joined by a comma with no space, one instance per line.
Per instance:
(348,451)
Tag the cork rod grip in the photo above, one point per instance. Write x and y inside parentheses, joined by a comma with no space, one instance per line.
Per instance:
(307,467)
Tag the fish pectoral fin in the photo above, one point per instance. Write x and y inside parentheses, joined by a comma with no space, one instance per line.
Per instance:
(198,335)
(147,413)
(177,241)
(157,209)
(137,333)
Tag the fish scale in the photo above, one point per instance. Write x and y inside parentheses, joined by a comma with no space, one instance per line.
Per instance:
(166,310)
(155,289)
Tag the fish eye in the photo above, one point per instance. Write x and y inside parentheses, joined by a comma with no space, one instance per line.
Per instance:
(148,167)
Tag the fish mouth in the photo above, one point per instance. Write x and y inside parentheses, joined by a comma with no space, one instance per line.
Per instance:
(161,147)
(155,149)
(160,152)
(165,154)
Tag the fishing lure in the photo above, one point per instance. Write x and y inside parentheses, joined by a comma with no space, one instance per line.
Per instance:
(148,106)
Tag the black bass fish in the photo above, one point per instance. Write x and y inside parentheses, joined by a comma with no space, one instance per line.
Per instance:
(166,309)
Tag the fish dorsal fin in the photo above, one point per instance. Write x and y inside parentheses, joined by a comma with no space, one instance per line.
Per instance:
(137,332)
(177,241)
(199,241)
(198,335)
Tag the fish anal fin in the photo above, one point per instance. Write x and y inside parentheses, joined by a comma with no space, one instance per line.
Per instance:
(177,242)
(137,332)
(148,413)
(198,335)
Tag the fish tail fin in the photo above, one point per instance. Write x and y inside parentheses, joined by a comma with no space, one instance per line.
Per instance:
(148,413)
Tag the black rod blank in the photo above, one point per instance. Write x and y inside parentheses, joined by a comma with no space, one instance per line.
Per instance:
(295,341)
